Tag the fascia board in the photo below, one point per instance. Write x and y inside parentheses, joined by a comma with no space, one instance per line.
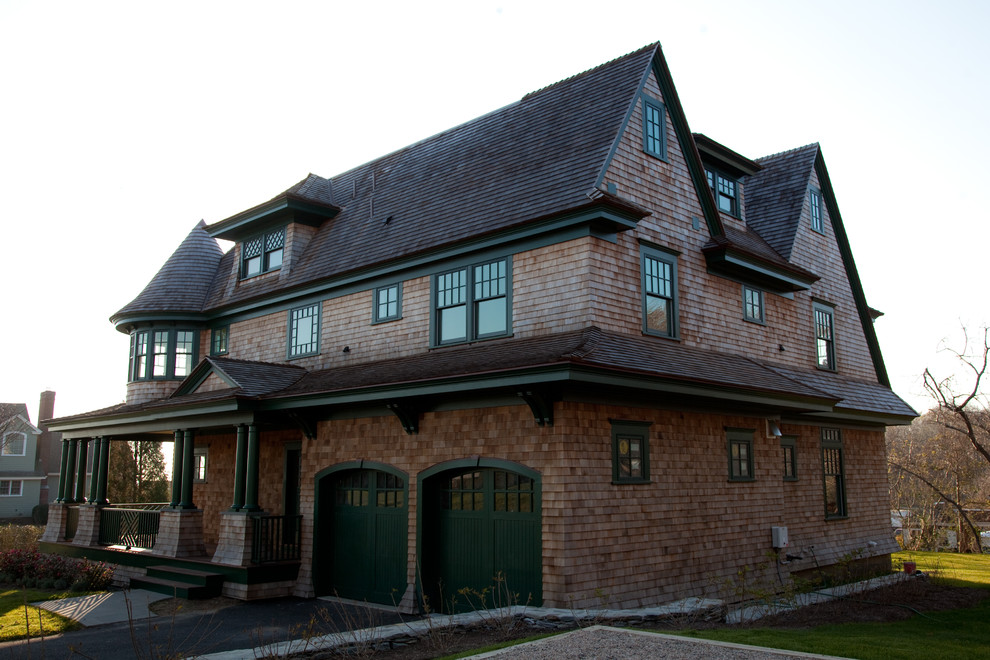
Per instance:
(222,413)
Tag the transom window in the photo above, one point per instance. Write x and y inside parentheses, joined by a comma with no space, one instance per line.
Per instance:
(11,487)
(472,303)
(654,128)
(725,190)
(825,337)
(388,303)
(510,492)
(14,444)
(817,222)
(630,452)
(362,487)
(740,446)
(162,354)
(262,253)
(834,474)
(752,304)
(304,331)
(659,293)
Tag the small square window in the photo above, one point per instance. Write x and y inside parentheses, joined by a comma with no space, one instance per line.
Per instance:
(387,303)
(200,460)
(304,331)
(654,128)
(14,444)
(752,304)
(740,447)
(630,452)
(219,339)
(817,221)
(788,447)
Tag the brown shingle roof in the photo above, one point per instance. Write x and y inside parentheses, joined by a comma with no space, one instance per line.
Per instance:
(775,196)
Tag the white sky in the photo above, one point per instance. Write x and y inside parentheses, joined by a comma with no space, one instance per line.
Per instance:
(122,124)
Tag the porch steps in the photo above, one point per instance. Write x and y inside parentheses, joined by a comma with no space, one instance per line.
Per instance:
(180,582)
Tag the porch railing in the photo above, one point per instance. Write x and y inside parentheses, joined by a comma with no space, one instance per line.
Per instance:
(130,525)
(276,538)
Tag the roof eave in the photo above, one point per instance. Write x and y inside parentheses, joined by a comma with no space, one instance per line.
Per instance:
(283,209)
(728,261)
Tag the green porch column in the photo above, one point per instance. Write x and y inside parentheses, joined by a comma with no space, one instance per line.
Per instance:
(94,480)
(251,485)
(240,466)
(188,465)
(176,470)
(63,462)
(101,484)
(83,454)
(70,473)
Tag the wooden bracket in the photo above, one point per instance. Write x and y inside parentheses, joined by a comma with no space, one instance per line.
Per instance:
(541,404)
(408,416)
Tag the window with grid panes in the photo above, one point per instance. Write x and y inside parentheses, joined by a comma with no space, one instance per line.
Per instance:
(200,459)
(817,222)
(833,473)
(752,304)
(825,336)
(630,451)
(725,190)
(162,354)
(390,491)
(11,487)
(659,293)
(788,447)
(262,253)
(304,331)
(472,303)
(219,340)
(654,128)
(513,492)
(464,492)
(353,489)
(388,303)
(740,446)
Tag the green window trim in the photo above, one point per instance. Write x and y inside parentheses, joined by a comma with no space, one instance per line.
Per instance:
(815,205)
(386,303)
(659,293)
(654,128)
(833,474)
(201,457)
(303,335)
(725,190)
(220,340)
(262,253)
(739,445)
(753,308)
(162,353)
(824,320)
(788,448)
(472,303)
(630,452)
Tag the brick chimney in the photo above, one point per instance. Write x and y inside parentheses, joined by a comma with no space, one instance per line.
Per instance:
(49,448)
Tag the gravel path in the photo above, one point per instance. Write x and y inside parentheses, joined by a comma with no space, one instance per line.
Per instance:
(602,642)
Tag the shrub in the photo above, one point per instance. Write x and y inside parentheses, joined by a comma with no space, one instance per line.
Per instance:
(28,568)
(24,537)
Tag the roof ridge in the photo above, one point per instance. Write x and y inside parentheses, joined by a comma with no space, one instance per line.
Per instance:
(817,145)
(655,44)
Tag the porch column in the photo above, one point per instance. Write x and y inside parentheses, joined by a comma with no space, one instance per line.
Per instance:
(251,486)
(70,473)
(240,466)
(188,466)
(83,452)
(63,463)
(94,480)
(101,482)
(176,470)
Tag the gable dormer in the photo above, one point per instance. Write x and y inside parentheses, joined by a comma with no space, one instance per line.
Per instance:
(725,169)
(270,235)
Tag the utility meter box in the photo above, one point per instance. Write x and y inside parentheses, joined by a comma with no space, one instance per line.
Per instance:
(779,537)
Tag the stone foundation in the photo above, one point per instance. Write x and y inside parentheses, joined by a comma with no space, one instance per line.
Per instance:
(236,537)
(180,534)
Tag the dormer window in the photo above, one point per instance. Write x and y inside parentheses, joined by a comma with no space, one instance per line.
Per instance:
(263,253)
(726,191)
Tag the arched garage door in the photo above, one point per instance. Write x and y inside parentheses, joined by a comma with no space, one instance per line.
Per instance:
(362,542)
(482,532)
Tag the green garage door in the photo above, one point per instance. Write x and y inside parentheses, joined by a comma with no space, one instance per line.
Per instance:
(484,537)
(369,536)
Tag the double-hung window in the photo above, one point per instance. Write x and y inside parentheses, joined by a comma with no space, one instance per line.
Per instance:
(11,487)
(740,449)
(14,444)
(726,191)
(200,458)
(817,221)
(387,303)
(630,452)
(472,302)
(659,293)
(825,336)
(752,304)
(219,340)
(654,128)
(834,474)
(262,253)
(166,353)
(304,331)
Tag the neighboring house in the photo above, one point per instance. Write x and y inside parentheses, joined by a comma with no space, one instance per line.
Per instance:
(568,342)
(20,480)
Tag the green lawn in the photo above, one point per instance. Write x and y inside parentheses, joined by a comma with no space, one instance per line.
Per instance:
(963,634)
(19,620)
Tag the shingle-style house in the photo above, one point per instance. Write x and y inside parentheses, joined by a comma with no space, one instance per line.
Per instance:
(569,342)
(20,478)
